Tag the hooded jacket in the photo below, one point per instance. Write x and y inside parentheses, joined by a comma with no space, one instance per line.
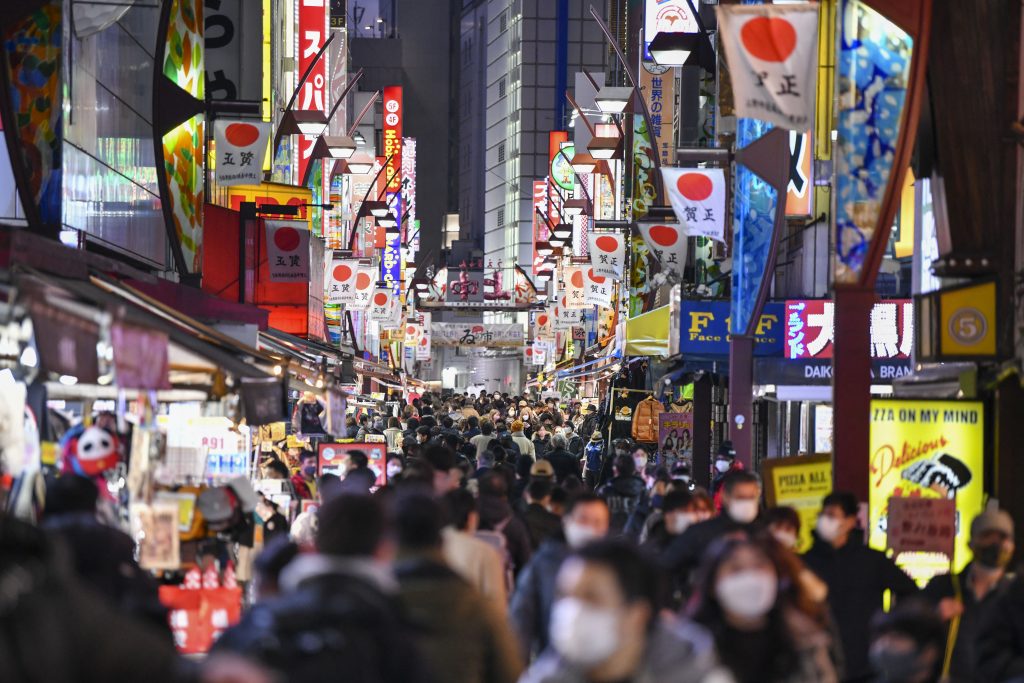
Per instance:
(594,454)
(623,495)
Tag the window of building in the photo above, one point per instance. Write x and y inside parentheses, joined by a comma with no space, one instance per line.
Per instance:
(503,21)
(501,87)
(501,218)
(501,151)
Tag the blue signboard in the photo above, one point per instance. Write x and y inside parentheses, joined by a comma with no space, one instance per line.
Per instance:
(704,329)
(391,259)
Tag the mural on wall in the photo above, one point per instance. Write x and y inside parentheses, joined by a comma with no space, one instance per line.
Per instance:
(33,48)
(183,145)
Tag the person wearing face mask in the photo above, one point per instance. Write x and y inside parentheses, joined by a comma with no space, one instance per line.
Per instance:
(741,495)
(964,601)
(624,493)
(394,467)
(304,481)
(783,524)
(586,520)
(677,514)
(605,626)
(761,632)
(907,644)
(857,578)
(725,463)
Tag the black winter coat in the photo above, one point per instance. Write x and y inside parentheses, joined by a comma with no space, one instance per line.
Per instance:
(623,495)
(857,576)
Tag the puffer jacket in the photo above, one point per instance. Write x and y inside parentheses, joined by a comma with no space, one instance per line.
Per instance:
(623,495)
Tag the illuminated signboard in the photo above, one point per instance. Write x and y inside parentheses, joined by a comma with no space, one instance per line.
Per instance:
(311,37)
(393,137)
(926,449)
(391,259)
(810,328)
(666,16)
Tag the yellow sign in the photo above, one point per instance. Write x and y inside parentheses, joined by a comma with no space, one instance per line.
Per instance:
(927,449)
(800,483)
(968,323)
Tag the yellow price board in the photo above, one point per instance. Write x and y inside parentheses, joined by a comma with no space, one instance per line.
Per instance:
(800,483)
(926,449)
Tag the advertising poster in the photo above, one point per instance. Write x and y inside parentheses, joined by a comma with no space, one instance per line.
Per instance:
(334,457)
(926,449)
(675,436)
(800,483)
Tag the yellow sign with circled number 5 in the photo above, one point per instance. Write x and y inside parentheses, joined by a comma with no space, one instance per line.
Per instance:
(968,320)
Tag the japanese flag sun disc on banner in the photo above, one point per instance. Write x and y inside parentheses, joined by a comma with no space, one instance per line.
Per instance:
(382,305)
(288,251)
(772,51)
(358,298)
(241,147)
(598,289)
(341,281)
(668,244)
(698,199)
(575,284)
(607,253)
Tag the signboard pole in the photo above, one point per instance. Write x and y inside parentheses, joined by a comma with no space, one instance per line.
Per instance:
(852,375)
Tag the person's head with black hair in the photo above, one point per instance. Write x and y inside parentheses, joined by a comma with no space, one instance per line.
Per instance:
(741,496)
(328,486)
(908,643)
(447,422)
(364,420)
(354,526)
(473,422)
(486,427)
(523,464)
(274,469)
(70,494)
(358,459)
(451,441)
(494,483)
(418,521)
(461,510)
(607,606)
(412,424)
(428,421)
(268,565)
(587,518)
(559,500)
(446,475)
(838,518)
(394,423)
(783,523)
(680,511)
(624,466)
(308,464)
(538,492)
(422,434)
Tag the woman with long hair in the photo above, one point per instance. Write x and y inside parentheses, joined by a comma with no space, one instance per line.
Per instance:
(765,629)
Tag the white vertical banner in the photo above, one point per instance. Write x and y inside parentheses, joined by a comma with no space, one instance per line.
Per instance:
(607,253)
(564,318)
(358,298)
(288,251)
(698,199)
(668,244)
(772,52)
(423,348)
(599,290)
(543,325)
(382,305)
(341,281)
(574,287)
(240,149)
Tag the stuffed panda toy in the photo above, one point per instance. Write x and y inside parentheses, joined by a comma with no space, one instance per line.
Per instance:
(88,451)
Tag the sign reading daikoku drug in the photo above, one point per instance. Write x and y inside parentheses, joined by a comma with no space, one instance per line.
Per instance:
(810,328)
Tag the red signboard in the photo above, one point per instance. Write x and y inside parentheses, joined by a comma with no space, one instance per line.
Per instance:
(810,328)
(540,227)
(393,115)
(312,34)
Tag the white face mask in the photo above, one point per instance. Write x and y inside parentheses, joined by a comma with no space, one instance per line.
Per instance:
(678,522)
(787,539)
(578,535)
(828,528)
(743,511)
(748,594)
(584,635)
(394,471)
(641,465)
(722,466)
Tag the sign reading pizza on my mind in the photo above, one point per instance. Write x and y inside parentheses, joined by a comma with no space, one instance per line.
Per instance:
(926,449)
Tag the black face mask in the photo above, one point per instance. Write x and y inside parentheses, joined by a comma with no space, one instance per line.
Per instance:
(990,556)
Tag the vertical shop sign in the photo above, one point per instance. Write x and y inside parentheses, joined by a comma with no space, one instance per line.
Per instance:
(391,258)
(240,149)
(659,90)
(926,449)
(234,60)
(312,34)
(393,115)
(409,191)
(541,233)
(800,188)
(698,200)
(644,188)
(288,251)
(339,10)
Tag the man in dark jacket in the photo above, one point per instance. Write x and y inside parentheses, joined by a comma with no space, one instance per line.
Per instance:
(563,462)
(742,495)
(540,522)
(586,519)
(624,492)
(338,609)
(496,515)
(857,578)
(970,597)
(463,636)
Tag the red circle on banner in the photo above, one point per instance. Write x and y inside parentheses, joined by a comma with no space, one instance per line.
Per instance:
(770,39)
(665,235)
(577,278)
(241,134)
(542,320)
(596,278)
(563,302)
(342,272)
(529,350)
(423,342)
(607,243)
(286,239)
(380,298)
(695,186)
(477,329)
(362,281)
(410,330)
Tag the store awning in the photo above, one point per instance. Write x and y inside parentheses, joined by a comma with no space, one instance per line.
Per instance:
(647,334)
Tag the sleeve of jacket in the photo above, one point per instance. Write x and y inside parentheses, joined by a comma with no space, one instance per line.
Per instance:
(503,663)
(682,554)
(895,579)
(997,647)
(492,579)
(523,612)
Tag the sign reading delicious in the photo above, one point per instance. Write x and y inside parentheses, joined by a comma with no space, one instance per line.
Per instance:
(474,334)
(926,449)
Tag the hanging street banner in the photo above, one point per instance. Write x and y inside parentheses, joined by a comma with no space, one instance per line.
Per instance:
(772,52)
(659,91)
(810,328)
(575,288)
(598,290)
(475,334)
(698,200)
(341,281)
(668,244)
(310,38)
(382,305)
(392,137)
(240,149)
(565,318)
(411,237)
(926,449)
(607,254)
(288,251)
(543,325)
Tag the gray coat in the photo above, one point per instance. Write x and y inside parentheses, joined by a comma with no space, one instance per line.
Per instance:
(678,651)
